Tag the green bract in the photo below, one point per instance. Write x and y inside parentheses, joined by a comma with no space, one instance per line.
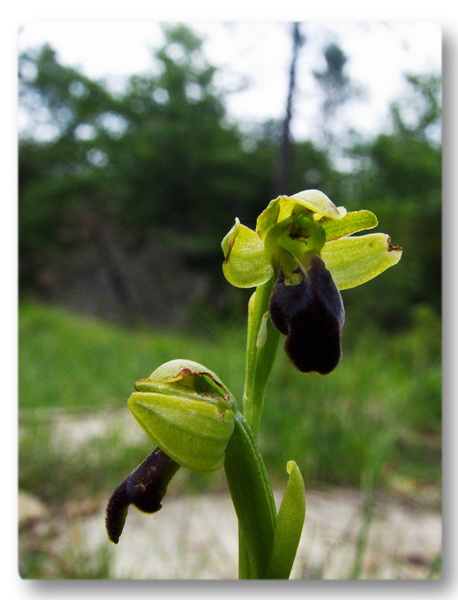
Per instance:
(188,413)
(288,527)
(292,229)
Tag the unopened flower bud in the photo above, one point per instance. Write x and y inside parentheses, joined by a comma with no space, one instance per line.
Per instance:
(188,412)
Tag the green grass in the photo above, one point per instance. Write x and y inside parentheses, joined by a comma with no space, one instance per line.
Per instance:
(361,422)
(374,419)
(75,363)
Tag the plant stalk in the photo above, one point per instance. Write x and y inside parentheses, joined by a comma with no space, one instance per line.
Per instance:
(262,343)
(253,501)
(245,471)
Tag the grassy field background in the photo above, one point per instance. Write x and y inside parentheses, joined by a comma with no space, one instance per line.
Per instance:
(373,424)
(377,415)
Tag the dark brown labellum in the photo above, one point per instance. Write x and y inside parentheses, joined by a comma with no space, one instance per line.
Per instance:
(311,315)
(144,488)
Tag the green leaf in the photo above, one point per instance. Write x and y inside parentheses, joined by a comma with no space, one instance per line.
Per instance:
(288,530)
(245,263)
(355,260)
(351,223)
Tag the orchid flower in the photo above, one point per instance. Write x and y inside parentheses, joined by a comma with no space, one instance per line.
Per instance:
(305,242)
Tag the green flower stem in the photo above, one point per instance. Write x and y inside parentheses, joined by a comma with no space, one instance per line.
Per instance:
(253,501)
(262,342)
(245,471)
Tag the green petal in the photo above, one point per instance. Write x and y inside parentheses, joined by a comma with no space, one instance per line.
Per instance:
(269,216)
(351,223)
(355,260)
(245,263)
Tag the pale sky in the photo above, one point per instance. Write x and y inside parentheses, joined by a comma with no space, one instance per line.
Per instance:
(378,53)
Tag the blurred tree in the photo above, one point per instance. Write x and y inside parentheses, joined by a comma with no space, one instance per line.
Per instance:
(65,111)
(281,185)
(59,179)
(336,87)
(399,177)
(312,168)
(128,195)
(157,164)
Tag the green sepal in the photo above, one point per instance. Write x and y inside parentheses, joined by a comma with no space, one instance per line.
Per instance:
(187,378)
(310,201)
(319,203)
(355,260)
(181,369)
(289,524)
(245,263)
(194,433)
(351,223)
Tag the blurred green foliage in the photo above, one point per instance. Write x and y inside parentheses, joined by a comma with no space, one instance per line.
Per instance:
(377,415)
(158,169)
(373,423)
(399,178)
(126,195)
(154,175)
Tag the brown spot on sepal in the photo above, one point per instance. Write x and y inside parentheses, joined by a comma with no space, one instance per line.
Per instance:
(229,250)
(392,248)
